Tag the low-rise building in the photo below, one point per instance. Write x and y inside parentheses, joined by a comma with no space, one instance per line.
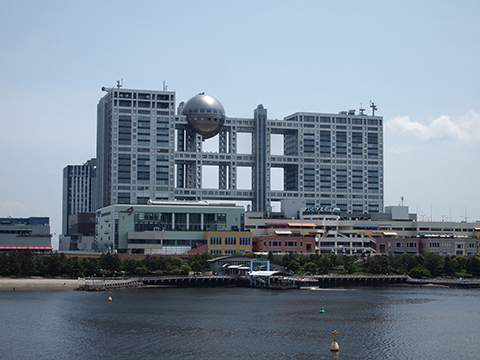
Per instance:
(80,235)
(394,232)
(284,244)
(31,233)
(397,246)
(172,227)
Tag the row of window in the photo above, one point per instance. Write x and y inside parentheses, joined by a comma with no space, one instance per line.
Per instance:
(449,245)
(408,244)
(227,251)
(230,241)
(278,243)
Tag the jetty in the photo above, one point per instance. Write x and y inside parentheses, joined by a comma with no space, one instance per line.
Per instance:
(278,281)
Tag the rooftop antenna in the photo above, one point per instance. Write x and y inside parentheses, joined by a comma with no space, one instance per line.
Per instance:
(165,86)
(374,107)
(402,200)
(361,110)
(119,83)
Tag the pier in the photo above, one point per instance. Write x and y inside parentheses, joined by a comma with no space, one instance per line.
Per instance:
(275,282)
(335,281)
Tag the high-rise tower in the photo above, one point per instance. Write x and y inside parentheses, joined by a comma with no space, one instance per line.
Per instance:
(78,191)
(147,151)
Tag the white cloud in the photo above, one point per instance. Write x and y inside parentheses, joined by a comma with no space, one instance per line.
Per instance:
(464,129)
(401,149)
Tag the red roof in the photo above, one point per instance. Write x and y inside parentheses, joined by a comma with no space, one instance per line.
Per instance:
(25,247)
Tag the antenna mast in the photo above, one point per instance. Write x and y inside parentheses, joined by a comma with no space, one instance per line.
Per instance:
(374,107)
(361,110)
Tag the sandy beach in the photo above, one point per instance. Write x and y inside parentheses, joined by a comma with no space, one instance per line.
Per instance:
(9,284)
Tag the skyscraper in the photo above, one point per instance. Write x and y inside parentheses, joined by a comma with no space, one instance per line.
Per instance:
(147,150)
(78,191)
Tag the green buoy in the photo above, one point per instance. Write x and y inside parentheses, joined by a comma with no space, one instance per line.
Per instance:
(321,310)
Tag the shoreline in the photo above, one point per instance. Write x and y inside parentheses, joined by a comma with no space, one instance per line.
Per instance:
(20,284)
(59,284)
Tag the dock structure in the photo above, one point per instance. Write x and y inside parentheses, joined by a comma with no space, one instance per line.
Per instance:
(193,281)
(373,280)
(464,283)
(271,280)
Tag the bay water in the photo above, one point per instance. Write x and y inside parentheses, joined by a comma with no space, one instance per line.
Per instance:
(241,323)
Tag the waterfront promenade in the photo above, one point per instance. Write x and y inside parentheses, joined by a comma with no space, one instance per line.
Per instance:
(294,282)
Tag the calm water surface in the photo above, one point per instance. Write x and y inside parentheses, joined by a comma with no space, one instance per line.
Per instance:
(241,323)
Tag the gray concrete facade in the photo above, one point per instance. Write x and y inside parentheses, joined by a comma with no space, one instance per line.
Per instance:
(146,151)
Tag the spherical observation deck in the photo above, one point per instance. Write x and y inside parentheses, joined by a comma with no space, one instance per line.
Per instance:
(205,115)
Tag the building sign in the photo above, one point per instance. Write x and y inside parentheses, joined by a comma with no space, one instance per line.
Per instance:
(321,210)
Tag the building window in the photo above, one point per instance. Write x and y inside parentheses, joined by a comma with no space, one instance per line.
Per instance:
(215,240)
(245,241)
(434,245)
(232,241)
(275,244)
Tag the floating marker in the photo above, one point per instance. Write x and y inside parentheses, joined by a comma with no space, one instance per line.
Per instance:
(334,346)
(109,297)
(321,310)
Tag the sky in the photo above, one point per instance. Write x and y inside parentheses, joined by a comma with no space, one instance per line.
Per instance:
(416,60)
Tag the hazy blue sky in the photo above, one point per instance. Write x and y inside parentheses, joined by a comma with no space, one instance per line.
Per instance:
(417,60)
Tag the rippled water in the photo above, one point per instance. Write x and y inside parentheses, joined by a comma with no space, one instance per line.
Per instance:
(241,323)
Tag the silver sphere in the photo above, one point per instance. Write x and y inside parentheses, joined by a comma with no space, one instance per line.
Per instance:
(205,115)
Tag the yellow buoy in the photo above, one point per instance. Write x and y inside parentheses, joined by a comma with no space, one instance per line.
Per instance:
(334,346)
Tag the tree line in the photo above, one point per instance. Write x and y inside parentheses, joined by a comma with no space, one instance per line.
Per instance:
(26,263)
(427,265)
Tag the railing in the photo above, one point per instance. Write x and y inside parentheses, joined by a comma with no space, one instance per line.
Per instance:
(112,282)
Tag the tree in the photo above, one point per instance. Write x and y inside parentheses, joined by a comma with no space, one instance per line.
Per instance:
(449,266)
(26,263)
(197,266)
(350,267)
(55,264)
(378,265)
(310,268)
(13,265)
(186,269)
(270,256)
(473,265)
(419,271)
(109,262)
(325,264)
(141,270)
(433,263)
(293,266)
(89,266)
